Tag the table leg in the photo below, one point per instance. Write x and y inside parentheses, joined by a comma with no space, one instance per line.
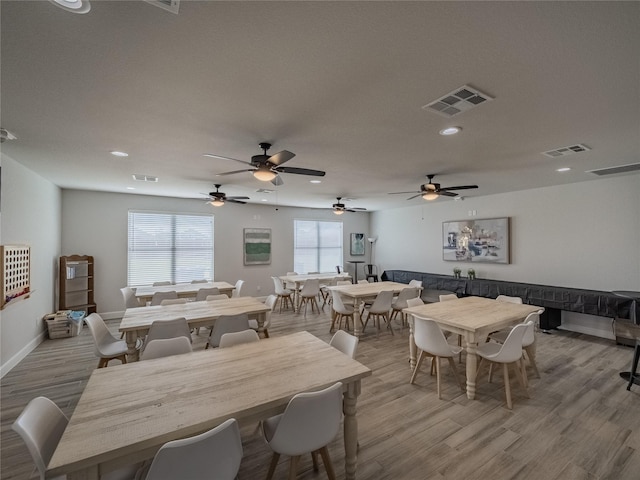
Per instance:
(261,319)
(131,338)
(350,429)
(472,366)
(413,349)
(357,318)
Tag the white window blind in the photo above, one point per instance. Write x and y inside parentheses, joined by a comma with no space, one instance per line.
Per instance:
(169,247)
(317,246)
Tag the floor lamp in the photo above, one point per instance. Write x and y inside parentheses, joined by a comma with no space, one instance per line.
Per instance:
(371,240)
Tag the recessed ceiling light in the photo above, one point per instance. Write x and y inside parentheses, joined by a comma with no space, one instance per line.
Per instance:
(315,181)
(563,169)
(119,154)
(264,199)
(131,188)
(450,131)
(74,6)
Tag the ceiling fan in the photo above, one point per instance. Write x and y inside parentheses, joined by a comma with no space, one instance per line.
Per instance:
(218,198)
(431,191)
(267,167)
(339,208)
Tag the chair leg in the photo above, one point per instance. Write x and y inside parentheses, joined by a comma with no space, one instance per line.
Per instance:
(328,466)
(417,367)
(452,363)
(437,360)
(123,358)
(634,365)
(532,360)
(507,385)
(521,376)
(314,459)
(272,466)
(293,467)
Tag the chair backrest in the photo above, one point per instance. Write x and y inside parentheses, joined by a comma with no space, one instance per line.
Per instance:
(508,299)
(429,337)
(165,347)
(159,296)
(291,284)
(227,324)
(448,296)
(129,297)
(200,281)
(161,284)
(277,283)
(338,304)
(161,329)
(512,347)
(270,301)
(343,282)
(310,421)
(338,269)
(203,293)
(370,269)
(415,283)
(530,334)
(403,296)
(41,425)
(220,296)
(237,292)
(173,301)
(236,338)
(101,335)
(363,281)
(345,342)
(382,302)
(213,454)
(311,288)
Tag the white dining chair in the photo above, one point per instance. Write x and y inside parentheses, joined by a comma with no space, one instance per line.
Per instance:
(415,283)
(215,454)
(157,297)
(508,299)
(237,292)
(507,353)
(380,309)
(270,302)
(226,324)
(345,342)
(203,293)
(162,284)
(41,425)
(173,301)
(129,297)
(340,312)
(107,347)
(165,347)
(308,294)
(203,280)
(400,303)
(162,329)
(432,343)
(237,338)
(309,423)
(284,294)
(219,296)
(448,296)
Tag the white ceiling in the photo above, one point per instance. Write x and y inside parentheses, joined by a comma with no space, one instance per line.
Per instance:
(341,84)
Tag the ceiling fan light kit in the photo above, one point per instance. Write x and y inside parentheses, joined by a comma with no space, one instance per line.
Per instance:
(264,174)
(218,198)
(339,208)
(431,191)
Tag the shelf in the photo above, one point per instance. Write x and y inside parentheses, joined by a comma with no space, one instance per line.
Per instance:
(76,283)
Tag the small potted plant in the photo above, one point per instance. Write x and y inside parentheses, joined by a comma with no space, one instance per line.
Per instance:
(471,274)
(456,272)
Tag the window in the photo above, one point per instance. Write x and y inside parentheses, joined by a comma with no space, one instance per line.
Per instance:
(169,247)
(317,246)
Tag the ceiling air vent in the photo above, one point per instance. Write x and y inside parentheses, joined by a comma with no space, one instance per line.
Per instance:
(632,167)
(564,151)
(144,178)
(264,190)
(169,5)
(458,101)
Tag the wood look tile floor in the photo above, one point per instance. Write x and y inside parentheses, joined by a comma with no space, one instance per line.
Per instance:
(580,422)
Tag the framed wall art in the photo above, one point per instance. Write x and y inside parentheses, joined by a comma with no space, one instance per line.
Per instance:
(483,240)
(257,246)
(357,244)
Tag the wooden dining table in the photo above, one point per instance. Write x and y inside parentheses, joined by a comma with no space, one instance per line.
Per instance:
(127,412)
(472,317)
(184,290)
(362,291)
(136,321)
(299,279)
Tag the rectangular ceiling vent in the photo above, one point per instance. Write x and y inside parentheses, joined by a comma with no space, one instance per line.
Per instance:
(169,5)
(458,101)
(264,190)
(632,167)
(564,151)
(144,178)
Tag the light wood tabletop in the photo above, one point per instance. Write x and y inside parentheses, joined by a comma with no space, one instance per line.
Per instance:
(137,321)
(299,280)
(362,291)
(127,412)
(472,317)
(184,290)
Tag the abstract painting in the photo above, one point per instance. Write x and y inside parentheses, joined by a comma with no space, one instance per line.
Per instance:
(257,246)
(483,240)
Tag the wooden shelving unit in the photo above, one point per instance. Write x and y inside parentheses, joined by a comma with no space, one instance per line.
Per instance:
(76,283)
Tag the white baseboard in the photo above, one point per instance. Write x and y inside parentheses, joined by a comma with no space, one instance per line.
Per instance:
(18,357)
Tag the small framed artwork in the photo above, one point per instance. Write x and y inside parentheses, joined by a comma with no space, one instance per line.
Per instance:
(357,244)
(257,246)
(484,240)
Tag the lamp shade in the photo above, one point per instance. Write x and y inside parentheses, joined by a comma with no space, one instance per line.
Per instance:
(430,196)
(264,173)
(216,202)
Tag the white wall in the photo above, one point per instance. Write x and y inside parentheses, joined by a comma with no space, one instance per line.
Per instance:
(582,235)
(95,223)
(30,215)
